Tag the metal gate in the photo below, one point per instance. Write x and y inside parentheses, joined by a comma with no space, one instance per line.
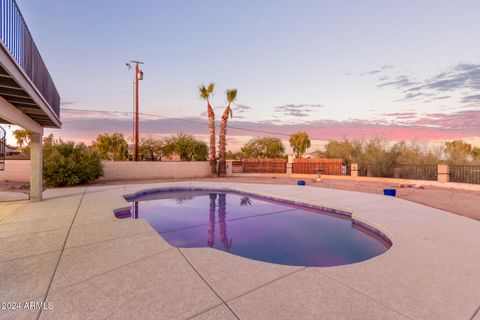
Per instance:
(2,148)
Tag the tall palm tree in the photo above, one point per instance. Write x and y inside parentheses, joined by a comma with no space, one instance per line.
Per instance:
(222,146)
(205,93)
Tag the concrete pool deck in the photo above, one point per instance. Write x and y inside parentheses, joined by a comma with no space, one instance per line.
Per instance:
(71,251)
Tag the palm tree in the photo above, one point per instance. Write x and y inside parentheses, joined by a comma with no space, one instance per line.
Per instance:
(299,142)
(222,221)
(245,201)
(205,93)
(211,220)
(222,146)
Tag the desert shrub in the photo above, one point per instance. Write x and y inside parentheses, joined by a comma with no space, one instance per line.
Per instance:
(68,164)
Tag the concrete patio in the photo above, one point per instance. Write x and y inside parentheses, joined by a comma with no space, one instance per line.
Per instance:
(70,250)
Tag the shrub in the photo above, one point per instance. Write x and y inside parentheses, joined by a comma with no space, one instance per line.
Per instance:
(69,164)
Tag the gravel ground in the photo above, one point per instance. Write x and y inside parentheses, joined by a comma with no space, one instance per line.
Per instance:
(461,202)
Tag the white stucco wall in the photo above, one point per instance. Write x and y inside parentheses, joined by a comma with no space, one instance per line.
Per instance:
(16,170)
(19,170)
(146,170)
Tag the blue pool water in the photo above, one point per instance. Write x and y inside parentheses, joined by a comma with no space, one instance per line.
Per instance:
(255,228)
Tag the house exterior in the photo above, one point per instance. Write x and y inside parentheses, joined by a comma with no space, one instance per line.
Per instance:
(28,96)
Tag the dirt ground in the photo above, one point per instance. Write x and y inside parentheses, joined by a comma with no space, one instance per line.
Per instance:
(461,202)
(14,186)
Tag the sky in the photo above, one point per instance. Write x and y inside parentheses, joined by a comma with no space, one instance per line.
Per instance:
(403,70)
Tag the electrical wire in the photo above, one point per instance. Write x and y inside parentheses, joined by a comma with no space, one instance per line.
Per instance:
(183,120)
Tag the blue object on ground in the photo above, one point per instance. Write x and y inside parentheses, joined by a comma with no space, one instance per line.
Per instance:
(390,192)
(301,182)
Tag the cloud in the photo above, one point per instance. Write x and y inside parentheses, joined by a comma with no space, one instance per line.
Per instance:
(297,110)
(241,108)
(402,115)
(371,72)
(472,98)
(67,103)
(394,126)
(381,69)
(463,121)
(400,82)
(461,78)
(441,98)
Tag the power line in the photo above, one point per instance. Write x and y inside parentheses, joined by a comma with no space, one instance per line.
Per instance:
(183,120)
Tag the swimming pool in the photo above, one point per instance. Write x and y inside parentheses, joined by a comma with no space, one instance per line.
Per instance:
(256,228)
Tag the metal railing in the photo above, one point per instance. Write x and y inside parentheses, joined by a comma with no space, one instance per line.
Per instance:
(405,171)
(464,173)
(16,38)
(2,148)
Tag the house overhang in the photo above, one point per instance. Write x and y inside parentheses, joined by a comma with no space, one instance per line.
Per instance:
(18,89)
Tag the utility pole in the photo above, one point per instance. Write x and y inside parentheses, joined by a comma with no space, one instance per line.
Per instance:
(138,76)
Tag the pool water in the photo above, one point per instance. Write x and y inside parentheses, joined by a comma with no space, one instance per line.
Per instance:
(255,228)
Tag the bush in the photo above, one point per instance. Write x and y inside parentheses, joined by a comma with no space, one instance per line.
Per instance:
(69,164)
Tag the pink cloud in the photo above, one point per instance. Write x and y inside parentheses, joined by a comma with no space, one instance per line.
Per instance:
(85,126)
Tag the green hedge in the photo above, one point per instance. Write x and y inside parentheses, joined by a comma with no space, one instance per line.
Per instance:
(69,164)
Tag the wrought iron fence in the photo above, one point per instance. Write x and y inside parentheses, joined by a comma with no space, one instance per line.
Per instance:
(2,149)
(464,173)
(264,165)
(405,171)
(311,166)
(18,41)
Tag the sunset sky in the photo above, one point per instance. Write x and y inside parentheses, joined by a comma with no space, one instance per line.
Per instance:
(337,69)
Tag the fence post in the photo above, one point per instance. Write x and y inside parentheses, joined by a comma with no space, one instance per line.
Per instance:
(229,167)
(289,167)
(354,170)
(443,173)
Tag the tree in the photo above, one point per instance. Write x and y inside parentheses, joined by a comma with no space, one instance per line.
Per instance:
(205,93)
(23,138)
(230,155)
(300,143)
(265,147)
(48,141)
(111,147)
(222,147)
(476,153)
(412,153)
(457,151)
(151,149)
(340,150)
(186,147)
